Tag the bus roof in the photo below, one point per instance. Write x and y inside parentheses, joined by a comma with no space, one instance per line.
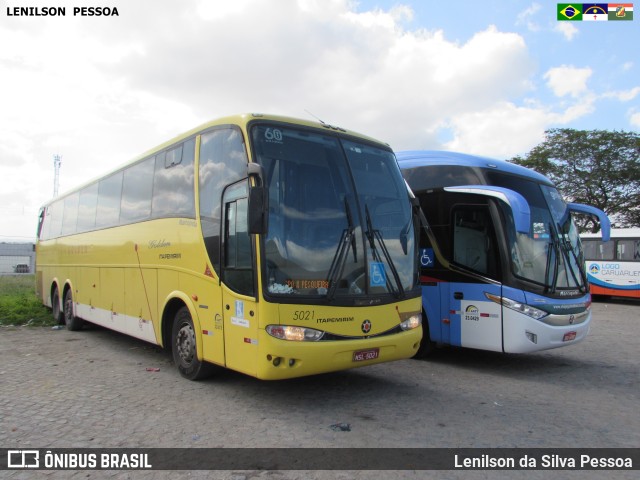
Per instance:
(241,120)
(423,158)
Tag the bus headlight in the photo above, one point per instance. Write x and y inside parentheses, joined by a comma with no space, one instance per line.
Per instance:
(296,334)
(414,321)
(519,307)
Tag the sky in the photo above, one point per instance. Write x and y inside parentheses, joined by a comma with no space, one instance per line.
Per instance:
(484,78)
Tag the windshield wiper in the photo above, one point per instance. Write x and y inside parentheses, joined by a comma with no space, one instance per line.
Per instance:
(556,260)
(580,265)
(553,245)
(347,238)
(374,235)
(562,248)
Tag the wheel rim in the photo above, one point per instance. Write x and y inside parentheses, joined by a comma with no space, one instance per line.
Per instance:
(186,343)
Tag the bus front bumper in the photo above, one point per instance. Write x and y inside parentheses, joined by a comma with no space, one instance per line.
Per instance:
(525,334)
(281,359)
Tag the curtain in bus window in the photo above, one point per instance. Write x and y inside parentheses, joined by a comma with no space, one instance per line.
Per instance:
(173,183)
(222,161)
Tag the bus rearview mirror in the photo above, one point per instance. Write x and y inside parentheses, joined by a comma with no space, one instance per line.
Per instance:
(257,218)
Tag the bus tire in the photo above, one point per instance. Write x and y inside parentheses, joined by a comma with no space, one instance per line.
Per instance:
(72,322)
(427,346)
(184,348)
(56,310)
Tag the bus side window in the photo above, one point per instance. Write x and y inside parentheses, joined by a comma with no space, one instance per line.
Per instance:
(137,188)
(109,193)
(628,250)
(605,250)
(41,217)
(70,216)
(589,248)
(173,182)
(238,258)
(55,224)
(87,208)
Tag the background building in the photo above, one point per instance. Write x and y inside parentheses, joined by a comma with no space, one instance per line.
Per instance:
(17,258)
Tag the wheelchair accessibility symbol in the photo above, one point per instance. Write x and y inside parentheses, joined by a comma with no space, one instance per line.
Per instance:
(377,275)
(426,257)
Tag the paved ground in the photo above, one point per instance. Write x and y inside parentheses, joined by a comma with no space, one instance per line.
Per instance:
(92,389)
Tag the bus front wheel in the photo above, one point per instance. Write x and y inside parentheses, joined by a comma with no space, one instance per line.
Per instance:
(185,354)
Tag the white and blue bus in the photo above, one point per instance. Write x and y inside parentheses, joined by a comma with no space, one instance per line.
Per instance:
(502,267)
(613,267)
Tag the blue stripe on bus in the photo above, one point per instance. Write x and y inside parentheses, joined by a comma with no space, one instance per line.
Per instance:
(613,286)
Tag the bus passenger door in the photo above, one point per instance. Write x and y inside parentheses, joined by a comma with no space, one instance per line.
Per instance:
(239,306)
(476,321)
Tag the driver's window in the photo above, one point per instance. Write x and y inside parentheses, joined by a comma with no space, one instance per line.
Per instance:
(474,245)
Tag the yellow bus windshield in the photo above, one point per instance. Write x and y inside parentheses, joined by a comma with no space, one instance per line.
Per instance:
(339,224)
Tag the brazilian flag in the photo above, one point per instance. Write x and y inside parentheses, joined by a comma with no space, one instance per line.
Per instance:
(570,11)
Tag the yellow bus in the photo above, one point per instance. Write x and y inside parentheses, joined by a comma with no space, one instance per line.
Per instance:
(268,245)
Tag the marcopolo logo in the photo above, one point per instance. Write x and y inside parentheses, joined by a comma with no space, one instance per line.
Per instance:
(366,326)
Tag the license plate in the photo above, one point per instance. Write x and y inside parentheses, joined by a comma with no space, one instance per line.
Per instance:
(362,355)
(569,336)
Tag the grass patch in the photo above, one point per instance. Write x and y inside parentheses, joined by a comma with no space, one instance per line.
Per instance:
(19,304)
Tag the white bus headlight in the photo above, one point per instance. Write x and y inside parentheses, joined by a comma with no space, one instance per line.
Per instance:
(519,307)
(296,334)
(414,321)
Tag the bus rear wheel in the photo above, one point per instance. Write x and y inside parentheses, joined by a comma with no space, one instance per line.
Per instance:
(58,317)
(184,348)
(72,322)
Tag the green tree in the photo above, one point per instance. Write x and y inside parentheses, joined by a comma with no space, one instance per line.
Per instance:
(595,167)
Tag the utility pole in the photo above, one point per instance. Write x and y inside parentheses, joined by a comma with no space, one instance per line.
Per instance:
(57,161)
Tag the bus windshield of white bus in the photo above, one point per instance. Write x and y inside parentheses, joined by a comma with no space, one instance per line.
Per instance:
(338,225)
(550,254)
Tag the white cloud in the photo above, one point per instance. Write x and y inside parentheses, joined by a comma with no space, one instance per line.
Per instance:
(568,80)
(567,29)
(634,119)
(526,17)
(623,95)
(502,130)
